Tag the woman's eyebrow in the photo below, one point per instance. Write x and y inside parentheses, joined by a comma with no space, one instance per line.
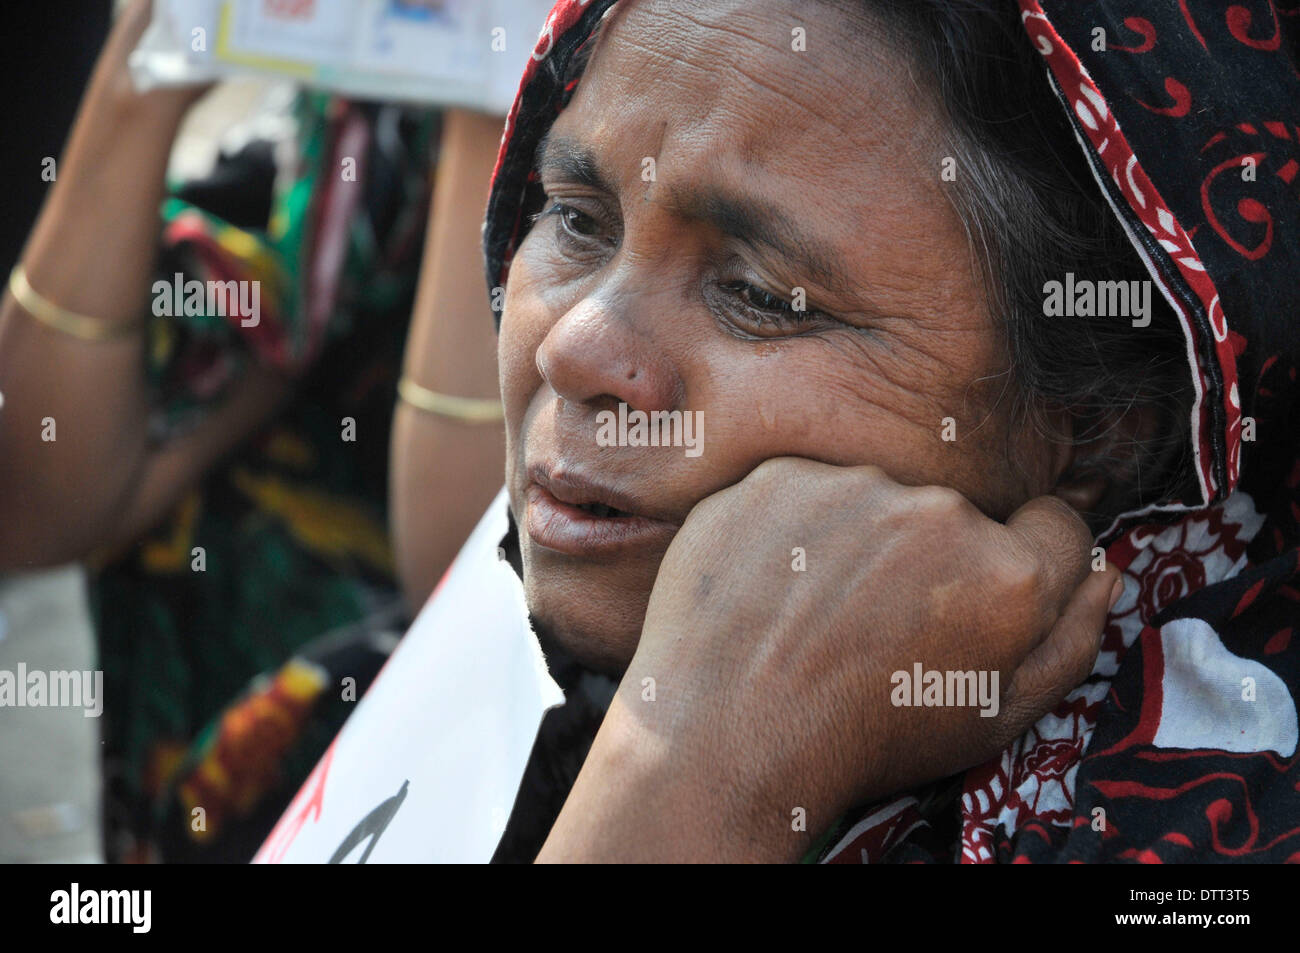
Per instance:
(752,222)
(757,223)
(560,155)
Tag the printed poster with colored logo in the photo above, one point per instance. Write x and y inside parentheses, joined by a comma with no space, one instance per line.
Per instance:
(443,52)
(427,768)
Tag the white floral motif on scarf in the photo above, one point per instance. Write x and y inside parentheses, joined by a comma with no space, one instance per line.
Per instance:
(1037,772)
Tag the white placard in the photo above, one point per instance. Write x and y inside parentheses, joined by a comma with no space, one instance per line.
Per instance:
(428,766)
(306,31)
(467,53)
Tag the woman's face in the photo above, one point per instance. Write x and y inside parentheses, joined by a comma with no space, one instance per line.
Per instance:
(704,170)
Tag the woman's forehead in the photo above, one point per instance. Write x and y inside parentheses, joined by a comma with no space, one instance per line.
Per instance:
(726,123)
(741,82)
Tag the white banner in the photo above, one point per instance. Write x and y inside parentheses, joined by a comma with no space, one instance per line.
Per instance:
(467,53)
(427,768)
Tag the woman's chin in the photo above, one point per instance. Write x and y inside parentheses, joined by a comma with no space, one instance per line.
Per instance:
(595,648)
(588,613)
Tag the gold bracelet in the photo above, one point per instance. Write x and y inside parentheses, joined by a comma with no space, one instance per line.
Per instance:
(61,319)
(470,410)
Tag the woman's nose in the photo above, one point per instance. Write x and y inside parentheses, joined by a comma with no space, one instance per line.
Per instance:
(594,355)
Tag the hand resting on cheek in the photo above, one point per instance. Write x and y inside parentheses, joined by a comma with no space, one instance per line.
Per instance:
(758,689)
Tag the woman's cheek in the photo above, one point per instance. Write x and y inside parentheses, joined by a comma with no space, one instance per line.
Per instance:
(524,325)
(939,419)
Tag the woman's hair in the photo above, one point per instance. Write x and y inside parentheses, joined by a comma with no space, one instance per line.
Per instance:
(1035,213)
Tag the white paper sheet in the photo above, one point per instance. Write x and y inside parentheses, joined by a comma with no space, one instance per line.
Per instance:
(467,53)
(427,767)
(292,29)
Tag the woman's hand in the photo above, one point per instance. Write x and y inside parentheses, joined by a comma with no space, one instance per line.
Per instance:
(111,87)
(760,688)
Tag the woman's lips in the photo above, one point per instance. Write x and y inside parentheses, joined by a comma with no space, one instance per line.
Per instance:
(567,528)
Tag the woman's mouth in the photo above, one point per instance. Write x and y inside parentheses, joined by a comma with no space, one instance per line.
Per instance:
(601,510)
(580,525)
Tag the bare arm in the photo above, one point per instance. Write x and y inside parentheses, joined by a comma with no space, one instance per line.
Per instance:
(92,251)
(444,472)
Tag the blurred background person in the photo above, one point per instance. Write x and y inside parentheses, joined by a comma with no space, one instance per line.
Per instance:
(49,788)
(226,479)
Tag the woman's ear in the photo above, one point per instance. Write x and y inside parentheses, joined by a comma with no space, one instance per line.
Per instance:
(1082,489)
(1102,464)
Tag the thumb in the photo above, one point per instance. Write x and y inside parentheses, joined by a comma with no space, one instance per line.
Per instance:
(1065,658)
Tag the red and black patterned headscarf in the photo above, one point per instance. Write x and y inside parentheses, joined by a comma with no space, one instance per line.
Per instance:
(1182,744)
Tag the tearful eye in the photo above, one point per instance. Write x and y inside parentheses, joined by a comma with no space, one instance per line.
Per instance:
(758,298)
(579,236)
(751,310)
(577,222)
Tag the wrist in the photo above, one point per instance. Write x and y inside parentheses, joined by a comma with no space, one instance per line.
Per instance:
(153,117)
(646,795)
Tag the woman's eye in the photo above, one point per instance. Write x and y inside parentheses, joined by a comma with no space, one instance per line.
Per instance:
(758,312)
(761,300)
(579,223)
(758,298)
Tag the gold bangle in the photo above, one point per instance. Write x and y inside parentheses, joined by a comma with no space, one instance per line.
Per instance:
(470,410)
(61,319)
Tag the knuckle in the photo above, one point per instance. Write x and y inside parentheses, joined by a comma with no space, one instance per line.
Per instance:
(1082,534)
(870,474)
(1078,533)
(772,471)
(942,503)
(1068,520)
(1015,579)
(765,471)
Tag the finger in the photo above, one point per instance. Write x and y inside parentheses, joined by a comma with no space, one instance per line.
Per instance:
(1048,531)
(133,21)
(1066,657)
